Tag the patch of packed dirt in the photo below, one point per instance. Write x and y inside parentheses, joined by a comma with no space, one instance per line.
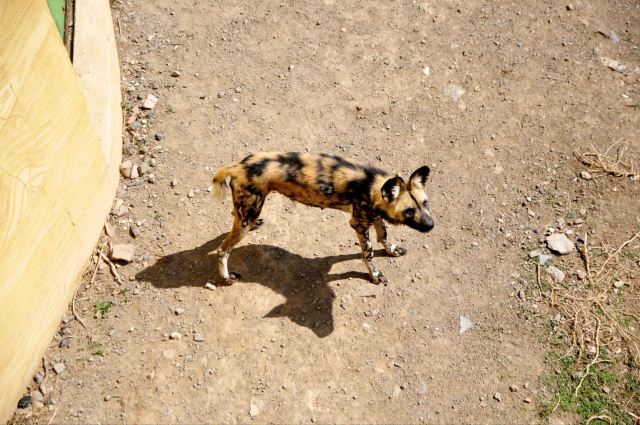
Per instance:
(494,96)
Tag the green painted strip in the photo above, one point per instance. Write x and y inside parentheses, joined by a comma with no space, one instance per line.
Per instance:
(57,11)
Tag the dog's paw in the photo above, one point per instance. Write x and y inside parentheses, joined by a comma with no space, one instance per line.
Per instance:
(395,250)
(259,222)
(228,281)
(378,278)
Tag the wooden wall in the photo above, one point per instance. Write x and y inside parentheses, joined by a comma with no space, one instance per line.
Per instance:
(60,143)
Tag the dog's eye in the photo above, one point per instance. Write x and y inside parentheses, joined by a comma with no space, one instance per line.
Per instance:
(409,212)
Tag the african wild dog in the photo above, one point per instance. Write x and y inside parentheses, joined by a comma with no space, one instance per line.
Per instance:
(371,196)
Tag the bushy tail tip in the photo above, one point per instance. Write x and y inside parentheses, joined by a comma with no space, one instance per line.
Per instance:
(220,185)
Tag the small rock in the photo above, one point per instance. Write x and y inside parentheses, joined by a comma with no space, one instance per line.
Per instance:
(614,65)
(176,335)
(134,230)
(238,89)
(135,173)
(198,337)
(178,311)
(527,400)
(107,398)
(422,388)
(618,284)
(191,194)
(150,102)
(169,354)
(465,324)
(210,286)
(585,175)
(513,388)
(426,71)
(125,168)
(497,396)
(174,183)
(570,6)
(108,229)
(176,73)
(58,368)
(521,294)
(24,402)
(559,243)
(254,407)
(145,167)
(122,252)
(396,391)
(151,178)
(556,274)
(159,136)
(582,275)
(606,389)
(453,91)
(583,211)
(615,38)
(38,378)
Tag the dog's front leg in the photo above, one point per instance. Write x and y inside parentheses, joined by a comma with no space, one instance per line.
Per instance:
(362,230)
(381,233)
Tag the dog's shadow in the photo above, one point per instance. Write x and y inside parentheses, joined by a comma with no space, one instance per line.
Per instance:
(304,282)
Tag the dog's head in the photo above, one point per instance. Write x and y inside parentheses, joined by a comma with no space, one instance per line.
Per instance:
(407,203)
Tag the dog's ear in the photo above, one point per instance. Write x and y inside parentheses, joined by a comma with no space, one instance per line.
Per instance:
(419,177)
(392,188)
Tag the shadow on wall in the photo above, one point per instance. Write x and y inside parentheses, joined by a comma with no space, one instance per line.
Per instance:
(304,282)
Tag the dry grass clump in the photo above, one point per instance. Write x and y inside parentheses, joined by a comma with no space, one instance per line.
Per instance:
(599,318)
(611,162)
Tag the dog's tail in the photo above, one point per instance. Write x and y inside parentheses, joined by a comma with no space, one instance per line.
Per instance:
(220,183)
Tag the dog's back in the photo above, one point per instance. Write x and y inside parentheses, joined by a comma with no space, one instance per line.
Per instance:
(323,180)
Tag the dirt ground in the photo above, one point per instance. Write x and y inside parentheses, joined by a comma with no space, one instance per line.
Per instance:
(512,89)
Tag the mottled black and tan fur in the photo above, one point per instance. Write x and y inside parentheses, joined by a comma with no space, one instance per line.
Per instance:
(371,195)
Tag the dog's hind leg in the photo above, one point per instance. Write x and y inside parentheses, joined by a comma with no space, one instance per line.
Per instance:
(246,212)
(390,248)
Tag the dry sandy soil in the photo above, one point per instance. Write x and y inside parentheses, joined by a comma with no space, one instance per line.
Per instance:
(304,337)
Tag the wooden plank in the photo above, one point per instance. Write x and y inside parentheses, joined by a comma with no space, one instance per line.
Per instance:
(95,60)
(56,187)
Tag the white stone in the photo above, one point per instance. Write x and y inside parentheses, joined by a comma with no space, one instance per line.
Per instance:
(560,244)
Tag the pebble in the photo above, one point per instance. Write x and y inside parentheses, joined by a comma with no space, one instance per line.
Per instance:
(145,167)
(191,194)
(122,252)
(134,172)
(453,91)
(570,6)
(465,324)
(618,284)
(513,388)
(125,168)
(254,408)
(176,74)
(559,243)
(198,337)
(521,294)
(38,378)
(176,335)
(178,311)
(169,354)
(174,182)
(426,71)
(614,65)
(58,368)
(24,402)
(583,211)
(422,388)
(159,136)
(582,275)
(527,400)
(108,229)
(210,286)
(150,102)
(134,230)
(555,273)
(238,90)
(585,175)
(497,396)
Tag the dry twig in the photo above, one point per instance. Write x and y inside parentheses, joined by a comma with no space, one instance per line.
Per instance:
(112,266)
(604,163)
